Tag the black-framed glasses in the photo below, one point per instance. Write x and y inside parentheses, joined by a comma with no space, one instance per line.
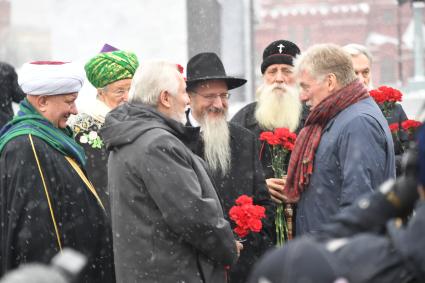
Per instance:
(214,96)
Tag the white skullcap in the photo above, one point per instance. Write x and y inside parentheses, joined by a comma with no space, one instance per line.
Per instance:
(51,78)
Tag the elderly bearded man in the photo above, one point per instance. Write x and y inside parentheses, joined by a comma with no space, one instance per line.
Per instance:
(47,202)
(167,221)
(229,150)
(277,106)
(345,148)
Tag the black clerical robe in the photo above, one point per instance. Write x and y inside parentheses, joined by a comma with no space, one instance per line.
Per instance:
(27,227)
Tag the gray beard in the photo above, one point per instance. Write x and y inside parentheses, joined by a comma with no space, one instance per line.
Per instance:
(216,138)
(179,117)
(278,107)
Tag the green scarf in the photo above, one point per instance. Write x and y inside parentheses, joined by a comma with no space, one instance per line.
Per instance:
(29,121)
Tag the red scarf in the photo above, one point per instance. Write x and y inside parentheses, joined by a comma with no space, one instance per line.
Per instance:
(302,158)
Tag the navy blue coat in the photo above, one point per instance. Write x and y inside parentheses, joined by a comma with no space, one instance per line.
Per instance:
(355,155)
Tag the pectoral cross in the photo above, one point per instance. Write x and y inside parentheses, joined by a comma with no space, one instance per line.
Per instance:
(281,46)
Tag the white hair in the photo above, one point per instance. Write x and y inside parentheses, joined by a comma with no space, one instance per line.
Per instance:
(151,79)
(355,49)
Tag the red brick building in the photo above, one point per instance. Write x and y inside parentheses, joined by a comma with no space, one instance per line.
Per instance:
(378,24)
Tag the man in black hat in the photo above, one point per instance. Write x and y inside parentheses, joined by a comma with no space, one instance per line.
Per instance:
(277,105)
(229,151)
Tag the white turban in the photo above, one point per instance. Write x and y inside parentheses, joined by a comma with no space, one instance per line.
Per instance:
(51,78)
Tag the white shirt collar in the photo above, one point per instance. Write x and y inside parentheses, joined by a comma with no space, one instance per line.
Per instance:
(192,120)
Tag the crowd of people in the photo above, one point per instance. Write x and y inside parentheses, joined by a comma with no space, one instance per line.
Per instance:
(142,182)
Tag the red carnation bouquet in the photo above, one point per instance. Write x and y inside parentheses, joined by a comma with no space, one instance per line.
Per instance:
(386,97)
(409,126)
(247,216)
(282,142)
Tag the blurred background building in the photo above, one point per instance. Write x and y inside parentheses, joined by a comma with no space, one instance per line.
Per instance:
(237,30)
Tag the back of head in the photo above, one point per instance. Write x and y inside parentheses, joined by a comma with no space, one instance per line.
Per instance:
(7,72)
(300,261)
(155,77)
(355,49)
(322,59)
(9,81)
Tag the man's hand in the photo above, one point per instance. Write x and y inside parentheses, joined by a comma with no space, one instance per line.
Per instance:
(275,187)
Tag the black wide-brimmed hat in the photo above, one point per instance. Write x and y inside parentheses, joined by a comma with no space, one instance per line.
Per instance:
(208,66)
(279,52)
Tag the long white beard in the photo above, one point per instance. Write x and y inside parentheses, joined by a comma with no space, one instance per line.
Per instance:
(278,106)
(216,137)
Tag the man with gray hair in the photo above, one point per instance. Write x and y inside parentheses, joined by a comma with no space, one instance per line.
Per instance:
(345,148)
(362,61)
(167,221)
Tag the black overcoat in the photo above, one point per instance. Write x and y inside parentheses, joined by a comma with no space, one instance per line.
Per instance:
(245,177)
(27,232)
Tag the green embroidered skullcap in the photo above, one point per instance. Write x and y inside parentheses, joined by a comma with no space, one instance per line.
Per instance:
(108,67)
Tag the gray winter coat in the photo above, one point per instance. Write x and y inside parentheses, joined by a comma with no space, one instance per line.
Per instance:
(355,155)
(167,221)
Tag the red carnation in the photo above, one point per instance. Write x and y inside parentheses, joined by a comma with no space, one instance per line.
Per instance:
(394,127)
(386,97)
(243,199)
(410,127)
(410,124)
(378,96)
(247,216)
(269,137)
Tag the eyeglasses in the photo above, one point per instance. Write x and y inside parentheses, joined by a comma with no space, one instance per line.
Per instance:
(214,96)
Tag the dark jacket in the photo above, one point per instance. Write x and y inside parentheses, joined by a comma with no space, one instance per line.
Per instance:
(355,155)
(376,242)
(27,233)
(167,221)
(363,244)
(245,177)
(401,140)
(246,118)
